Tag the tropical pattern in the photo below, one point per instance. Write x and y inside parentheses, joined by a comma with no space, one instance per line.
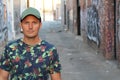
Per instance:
(25,62)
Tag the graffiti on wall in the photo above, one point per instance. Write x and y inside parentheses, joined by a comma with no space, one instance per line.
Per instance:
(3,24)
(93,28)
(5,29)
(1,20)
(17,16)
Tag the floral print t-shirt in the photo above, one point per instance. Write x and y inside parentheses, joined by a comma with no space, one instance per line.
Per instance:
(25,62)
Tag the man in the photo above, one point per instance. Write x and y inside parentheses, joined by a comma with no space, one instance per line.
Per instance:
(30,58)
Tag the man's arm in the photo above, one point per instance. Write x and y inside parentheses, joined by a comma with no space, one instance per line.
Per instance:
(56,76)
(4,75)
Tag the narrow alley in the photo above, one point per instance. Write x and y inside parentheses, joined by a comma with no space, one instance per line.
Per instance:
(85,32)
(79,61)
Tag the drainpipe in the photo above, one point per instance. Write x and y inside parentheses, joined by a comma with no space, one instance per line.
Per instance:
(115,56)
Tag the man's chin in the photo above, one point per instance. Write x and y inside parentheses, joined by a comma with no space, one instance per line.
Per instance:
(31,36)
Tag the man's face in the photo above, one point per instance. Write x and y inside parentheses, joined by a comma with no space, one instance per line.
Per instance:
(30,26)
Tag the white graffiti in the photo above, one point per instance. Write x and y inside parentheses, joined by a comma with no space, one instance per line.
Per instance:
(93,24)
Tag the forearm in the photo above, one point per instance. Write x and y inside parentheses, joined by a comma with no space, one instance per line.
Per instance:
(3,78)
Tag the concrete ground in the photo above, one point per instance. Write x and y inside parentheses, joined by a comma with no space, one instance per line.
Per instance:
(79,61)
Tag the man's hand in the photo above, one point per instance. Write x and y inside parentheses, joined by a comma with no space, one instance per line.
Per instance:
(56,76)
(4,75)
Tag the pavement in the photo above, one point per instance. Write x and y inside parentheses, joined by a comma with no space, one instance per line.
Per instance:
(79,61)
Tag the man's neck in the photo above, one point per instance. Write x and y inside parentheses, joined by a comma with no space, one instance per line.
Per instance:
(32,41)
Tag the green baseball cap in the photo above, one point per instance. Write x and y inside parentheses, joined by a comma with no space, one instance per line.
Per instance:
(30,11)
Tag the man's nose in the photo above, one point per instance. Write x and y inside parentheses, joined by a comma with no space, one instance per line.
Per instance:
(31,25)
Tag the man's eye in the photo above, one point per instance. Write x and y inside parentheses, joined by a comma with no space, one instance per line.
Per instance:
(26,23)
(34,22)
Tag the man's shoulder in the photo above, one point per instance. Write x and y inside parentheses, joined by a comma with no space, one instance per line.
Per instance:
(47,44)
(13,43)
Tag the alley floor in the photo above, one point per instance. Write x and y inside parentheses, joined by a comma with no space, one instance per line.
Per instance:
(79,61)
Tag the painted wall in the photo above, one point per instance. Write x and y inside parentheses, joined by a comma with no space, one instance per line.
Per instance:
(93,27)
(97,23)
(118,29)
(3,22)
(17,12)
(10,18)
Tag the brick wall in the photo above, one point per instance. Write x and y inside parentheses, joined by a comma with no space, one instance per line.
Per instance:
(108,28)
(97,24)
(97,21)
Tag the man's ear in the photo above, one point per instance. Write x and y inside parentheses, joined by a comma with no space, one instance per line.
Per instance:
(40,25)
(21,30)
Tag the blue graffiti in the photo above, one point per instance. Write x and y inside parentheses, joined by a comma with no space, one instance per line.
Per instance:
(93,29)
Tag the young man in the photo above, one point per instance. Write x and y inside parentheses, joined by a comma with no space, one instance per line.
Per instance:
(30,58)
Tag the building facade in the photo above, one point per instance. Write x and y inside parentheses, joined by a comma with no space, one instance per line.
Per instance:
(117,28)
(10,17)
(50,9)
(97,22)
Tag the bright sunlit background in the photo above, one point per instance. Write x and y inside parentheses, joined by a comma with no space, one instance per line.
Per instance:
(49,9)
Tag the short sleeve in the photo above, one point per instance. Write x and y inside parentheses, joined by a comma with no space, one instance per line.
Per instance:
(55,66)
(5,62)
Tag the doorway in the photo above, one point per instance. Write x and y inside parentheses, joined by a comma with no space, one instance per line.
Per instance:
(78,18)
